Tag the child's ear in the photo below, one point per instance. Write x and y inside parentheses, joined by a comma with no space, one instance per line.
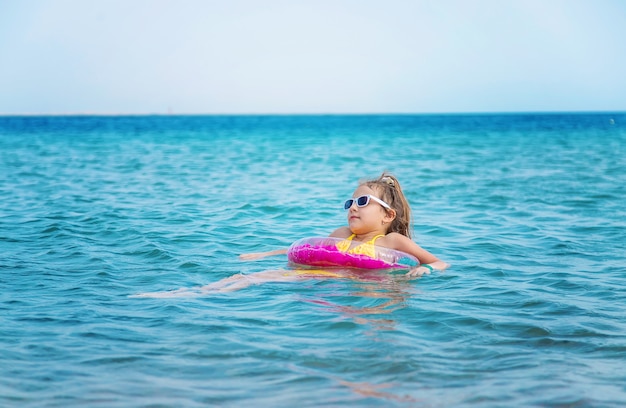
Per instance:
(390,215)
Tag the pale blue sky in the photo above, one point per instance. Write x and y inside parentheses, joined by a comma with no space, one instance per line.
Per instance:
(311,56)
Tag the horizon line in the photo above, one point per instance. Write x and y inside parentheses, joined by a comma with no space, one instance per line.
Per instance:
(109,114)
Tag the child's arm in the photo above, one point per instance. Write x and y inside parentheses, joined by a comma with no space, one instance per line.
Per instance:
(258,255)
(428,261)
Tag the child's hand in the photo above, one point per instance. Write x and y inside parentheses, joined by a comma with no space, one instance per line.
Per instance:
(418,271)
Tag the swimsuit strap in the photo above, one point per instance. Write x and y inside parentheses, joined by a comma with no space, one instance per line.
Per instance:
(373,240)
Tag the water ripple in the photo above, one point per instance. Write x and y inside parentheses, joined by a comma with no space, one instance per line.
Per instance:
(527,208)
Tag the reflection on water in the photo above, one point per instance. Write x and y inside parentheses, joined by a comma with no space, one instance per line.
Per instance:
(382,297)
(367,389)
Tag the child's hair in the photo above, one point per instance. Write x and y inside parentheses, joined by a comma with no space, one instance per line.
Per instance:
(390,192)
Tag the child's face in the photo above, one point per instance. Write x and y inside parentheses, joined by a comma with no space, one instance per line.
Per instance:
(363,220)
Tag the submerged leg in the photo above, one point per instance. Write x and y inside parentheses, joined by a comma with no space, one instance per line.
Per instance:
(240,281)
(230,284)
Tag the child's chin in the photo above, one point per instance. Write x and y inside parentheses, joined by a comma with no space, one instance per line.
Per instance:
(356,229)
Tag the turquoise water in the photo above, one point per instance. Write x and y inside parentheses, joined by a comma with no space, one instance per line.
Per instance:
(528,209)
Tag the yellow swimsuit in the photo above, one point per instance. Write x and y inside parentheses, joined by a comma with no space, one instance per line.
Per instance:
(366,248)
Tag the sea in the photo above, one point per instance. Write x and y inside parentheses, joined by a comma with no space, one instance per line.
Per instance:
(528,209)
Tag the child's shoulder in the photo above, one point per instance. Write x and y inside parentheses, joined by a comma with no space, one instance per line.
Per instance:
(396,236)
(341,232)
(395,239)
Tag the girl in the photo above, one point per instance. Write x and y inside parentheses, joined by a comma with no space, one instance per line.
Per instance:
(378,213)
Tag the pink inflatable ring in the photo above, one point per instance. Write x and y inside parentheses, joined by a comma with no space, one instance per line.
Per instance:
(323,252)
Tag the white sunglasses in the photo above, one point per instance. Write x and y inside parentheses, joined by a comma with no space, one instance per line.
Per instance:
(363,201)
